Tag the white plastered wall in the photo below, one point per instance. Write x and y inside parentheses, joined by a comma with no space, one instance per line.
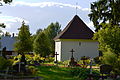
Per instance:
(81,48)
(58,50)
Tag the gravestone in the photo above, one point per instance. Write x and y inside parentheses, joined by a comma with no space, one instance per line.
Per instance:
(56,57)
(72,61)
(105,69)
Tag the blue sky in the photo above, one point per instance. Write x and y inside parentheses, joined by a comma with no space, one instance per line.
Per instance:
(40,13)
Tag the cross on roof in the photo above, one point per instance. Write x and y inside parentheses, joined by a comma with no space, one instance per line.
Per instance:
(76,7)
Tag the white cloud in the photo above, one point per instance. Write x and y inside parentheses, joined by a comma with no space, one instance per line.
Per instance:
(47,4)
(8,25)
(9,21)
(4,19)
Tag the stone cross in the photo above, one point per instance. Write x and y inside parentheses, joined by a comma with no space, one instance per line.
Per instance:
(72,51)
(56,56)
(91,66)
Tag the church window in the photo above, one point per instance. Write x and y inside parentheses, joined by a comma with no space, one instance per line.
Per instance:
(79,43)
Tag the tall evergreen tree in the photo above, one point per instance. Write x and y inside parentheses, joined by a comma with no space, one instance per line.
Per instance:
(24,43)
(103,11)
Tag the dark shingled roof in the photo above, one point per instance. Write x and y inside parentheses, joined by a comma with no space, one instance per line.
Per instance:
(76,29)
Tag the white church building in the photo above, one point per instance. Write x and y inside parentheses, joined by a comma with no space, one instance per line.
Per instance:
(77,36)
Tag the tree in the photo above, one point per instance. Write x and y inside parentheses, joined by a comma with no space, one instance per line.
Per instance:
(41,45)
(38,31)
(43,40)
(2,25)
(106,18)
(35,35)
(109,38)
(51,31)
(7,34)
(24,43)
(6,2)
(104,11)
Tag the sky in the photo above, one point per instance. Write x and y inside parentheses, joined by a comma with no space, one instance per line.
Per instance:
(38,14)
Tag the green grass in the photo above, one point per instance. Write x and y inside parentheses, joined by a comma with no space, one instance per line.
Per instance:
(55,73)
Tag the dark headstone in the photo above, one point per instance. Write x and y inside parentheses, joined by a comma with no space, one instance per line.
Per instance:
(72,61)
(105,69)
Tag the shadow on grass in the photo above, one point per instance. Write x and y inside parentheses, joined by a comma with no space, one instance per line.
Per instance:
(55,73)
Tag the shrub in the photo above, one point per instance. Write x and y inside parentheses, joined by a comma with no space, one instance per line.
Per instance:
(4,63)
(51,59)
(31,58)
(84,61)
(97,60)
(82,73)
(66,63)
(112,59)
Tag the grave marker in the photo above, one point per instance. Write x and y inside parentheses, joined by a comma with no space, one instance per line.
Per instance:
(56,57)
(105,69)
(72,62)
(91,66)
(72,51)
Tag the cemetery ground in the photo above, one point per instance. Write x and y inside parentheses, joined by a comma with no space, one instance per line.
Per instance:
(55,73)
(39,68)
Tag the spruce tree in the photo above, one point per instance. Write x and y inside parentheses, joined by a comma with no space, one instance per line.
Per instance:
(24,43)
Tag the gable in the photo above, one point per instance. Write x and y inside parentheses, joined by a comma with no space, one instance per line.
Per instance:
(76,29)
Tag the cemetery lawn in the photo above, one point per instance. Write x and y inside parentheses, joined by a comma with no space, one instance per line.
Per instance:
(55,73)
